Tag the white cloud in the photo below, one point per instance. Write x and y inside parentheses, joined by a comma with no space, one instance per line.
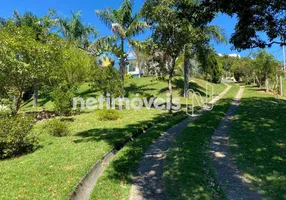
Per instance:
(230,55)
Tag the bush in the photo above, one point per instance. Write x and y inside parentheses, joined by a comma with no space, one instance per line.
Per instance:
(62,98)
(108,115)
(15,135)
(57,128)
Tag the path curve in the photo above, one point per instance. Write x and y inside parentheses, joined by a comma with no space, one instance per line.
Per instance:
(234,184)
(148,181)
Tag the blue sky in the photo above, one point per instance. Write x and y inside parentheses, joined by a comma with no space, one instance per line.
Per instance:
(88,7)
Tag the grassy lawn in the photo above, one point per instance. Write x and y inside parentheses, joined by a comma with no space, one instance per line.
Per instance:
(258,142)
(146,85)
(188,174)
(117,178)
(54,170)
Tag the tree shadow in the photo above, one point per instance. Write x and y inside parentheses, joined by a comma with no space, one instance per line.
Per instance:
(178,84)
(117,137)
(133,89)
(259,143)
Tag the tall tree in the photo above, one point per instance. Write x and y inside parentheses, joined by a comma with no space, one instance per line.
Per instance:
(124,25)
(74,30)
(170,34)
(192,49)
(266,68)
(172,31)
(42,29)
(20,55)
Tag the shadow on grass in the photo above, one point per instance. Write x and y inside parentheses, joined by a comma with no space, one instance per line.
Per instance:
(133,89)
(178,84)
(117,137)
(259,143)
(128,159)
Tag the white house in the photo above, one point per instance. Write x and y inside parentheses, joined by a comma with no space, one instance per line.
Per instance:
(133,69)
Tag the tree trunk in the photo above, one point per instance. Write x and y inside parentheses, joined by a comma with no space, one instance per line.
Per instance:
(35,96)
(17,101)
(140,69)
(170,86)
(186,73)
(267,84)
(122,67)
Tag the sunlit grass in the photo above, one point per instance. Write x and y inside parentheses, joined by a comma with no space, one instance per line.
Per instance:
(53,171)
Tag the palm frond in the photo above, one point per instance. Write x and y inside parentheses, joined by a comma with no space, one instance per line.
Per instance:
(105,44)
(125,12)
(106,16)
(216,33)
(136,27)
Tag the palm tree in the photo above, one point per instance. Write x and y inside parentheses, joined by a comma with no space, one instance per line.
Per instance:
(124,26)
(190,50)
(74,30)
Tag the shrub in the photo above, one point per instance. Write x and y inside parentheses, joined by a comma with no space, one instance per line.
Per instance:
(108,115)
(15,135)
(107,80)
(57,128)
(62,98)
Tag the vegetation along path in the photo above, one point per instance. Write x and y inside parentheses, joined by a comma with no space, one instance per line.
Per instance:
(232,181)
(148,181)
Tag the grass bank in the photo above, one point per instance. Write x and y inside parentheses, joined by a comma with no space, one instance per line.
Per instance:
(258,142)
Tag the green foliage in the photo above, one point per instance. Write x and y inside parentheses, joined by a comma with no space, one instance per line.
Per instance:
(265,67)
(74,30)
(106,80)
(62,98)
(108,115)
(57,128)
(124,26)
(254,17)
(75,65)
(213,68)
(127,76)
(24,58)
(243,70)
(15,135)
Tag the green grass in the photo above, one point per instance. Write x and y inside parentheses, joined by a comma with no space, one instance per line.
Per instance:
(116,181)
(188,174)
(53,171)
(258,142)
(117,178)
(132,87)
